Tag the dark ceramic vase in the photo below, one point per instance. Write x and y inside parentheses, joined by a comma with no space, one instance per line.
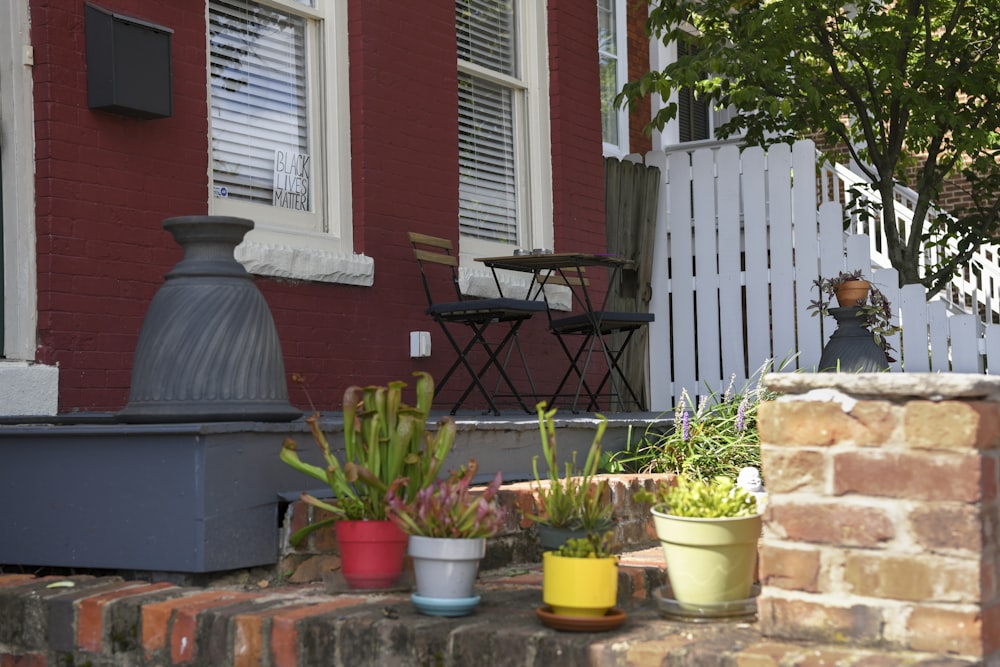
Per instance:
(208,349)
(852,347)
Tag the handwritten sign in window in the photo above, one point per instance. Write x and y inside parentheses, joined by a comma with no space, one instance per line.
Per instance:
(291,180)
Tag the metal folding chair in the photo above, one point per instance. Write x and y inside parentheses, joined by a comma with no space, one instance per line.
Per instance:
(477,314)
(594,327)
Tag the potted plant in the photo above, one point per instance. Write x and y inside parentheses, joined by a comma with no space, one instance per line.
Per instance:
(575,504)
(864,315)
(384,439)
(708,531)
(850,288)
(580,584)
(448,523)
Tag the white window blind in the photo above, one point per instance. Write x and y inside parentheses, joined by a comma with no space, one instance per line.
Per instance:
(259,122)
(487,117)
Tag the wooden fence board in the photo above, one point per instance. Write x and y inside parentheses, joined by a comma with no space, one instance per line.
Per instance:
(681,279)
(756,272)
(915,329)
(660,338)
(937,325)
(779,222)
(730,261)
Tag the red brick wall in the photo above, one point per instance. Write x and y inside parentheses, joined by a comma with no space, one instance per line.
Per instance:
(578,194)
(880,528)
(106,182)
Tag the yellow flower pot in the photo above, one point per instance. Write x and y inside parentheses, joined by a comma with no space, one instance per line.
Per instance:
(579,586)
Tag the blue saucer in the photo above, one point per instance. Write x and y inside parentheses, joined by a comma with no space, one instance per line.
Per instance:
(444,606)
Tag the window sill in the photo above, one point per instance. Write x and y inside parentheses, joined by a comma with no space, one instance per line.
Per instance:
(28,389)
(301,263)
(479,282)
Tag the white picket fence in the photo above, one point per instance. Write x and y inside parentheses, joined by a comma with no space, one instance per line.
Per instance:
(740,238)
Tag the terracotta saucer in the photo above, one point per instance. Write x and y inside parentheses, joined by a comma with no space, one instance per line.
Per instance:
(611,620)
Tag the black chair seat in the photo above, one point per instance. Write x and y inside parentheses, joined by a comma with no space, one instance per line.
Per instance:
(480,310)
(608,321)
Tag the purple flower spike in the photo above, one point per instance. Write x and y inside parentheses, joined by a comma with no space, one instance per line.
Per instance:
(685,426)
(741,414)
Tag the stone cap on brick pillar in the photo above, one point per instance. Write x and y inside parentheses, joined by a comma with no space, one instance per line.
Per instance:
(929,386)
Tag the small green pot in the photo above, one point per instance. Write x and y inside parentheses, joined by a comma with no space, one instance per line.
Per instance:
(709,560)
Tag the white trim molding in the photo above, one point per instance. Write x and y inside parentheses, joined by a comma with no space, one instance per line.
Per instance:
(26,388)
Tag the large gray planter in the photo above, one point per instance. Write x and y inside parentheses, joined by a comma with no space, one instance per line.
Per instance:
(852,347)
(208,349)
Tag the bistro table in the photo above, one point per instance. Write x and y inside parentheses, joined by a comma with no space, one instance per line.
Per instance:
(594,323)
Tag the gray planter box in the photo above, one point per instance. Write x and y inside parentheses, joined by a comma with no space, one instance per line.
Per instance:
(178,497)
(197,497)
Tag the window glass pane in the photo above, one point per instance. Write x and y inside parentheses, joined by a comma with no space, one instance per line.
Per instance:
(485,31)
(487,169)
(259,121)
(609,88)
(607,49)
(607,28)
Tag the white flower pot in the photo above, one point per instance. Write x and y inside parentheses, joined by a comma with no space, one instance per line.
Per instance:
(446,567)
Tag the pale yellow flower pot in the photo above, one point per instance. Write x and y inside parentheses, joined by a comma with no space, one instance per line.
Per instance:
(709,561)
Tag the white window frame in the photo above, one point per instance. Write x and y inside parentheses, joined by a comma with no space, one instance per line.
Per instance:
(26,387)
(319,245)
(534,150)
(621,148)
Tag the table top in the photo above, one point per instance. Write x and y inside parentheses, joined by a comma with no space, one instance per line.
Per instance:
(554,260)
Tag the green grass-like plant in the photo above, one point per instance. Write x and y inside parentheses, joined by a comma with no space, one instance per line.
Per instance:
(575,500)
(716,437)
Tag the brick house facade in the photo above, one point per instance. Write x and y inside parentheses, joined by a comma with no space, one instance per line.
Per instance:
(103,183)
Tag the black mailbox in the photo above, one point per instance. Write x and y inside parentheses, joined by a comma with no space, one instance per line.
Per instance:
(128,65)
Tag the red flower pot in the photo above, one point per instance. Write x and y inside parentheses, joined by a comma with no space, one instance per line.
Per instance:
(371,553)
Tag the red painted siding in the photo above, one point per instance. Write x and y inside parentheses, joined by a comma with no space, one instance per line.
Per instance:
(106,182)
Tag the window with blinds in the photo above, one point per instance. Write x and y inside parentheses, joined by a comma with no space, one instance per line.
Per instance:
(259,99)
(489,95)
(693,115)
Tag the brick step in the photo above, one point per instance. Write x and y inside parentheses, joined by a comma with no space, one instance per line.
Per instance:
(106,621)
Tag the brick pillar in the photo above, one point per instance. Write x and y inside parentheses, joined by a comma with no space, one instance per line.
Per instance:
(882,523)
